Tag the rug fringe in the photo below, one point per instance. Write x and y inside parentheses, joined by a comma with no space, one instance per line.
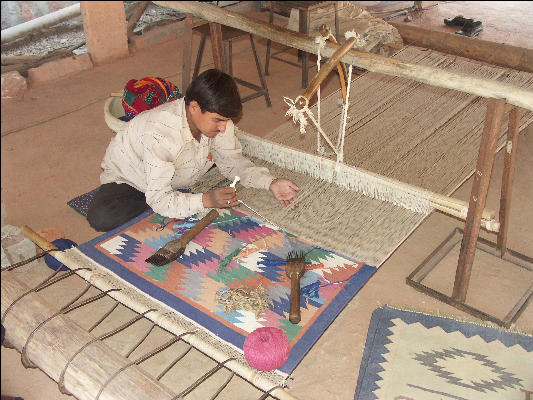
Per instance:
(486,324)
(354,179)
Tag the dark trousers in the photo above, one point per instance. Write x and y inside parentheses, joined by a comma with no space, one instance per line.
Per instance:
(115,204)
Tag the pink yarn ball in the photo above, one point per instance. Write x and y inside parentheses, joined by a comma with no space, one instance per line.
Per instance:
(266,348)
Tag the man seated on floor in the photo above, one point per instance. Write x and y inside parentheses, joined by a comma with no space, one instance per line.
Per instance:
(170,147)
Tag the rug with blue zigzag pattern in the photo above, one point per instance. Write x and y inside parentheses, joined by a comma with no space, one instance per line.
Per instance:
(414,356)
(234,251)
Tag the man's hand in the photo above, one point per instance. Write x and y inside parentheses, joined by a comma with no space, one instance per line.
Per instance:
(220,198)
(284,190)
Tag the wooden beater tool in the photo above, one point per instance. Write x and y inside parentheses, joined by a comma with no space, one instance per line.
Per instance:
(175,248)
(295,269)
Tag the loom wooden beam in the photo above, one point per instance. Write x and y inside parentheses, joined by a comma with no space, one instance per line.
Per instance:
(214,352)
(433,76)
(480,187)
(187,54)
(341,68)
(55,341)
(217,46)
(507,179)
(324,72)
(482,50)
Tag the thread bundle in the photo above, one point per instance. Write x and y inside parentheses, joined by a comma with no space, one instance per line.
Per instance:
(266,348)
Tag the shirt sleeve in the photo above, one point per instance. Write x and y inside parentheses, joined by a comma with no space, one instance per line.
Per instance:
(159,168)
(227,155)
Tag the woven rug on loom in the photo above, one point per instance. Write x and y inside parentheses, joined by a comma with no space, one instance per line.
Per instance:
(234,251)
(415,133)
(411,355)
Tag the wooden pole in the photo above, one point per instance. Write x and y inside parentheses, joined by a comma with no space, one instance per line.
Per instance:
(507,180)
(324,72)
(433,76)
(217,47)
(480,187)
(187,54)
(341,68)
(482,50)
(56,341)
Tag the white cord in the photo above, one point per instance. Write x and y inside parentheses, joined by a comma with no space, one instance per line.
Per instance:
(342,128)
(298,116)
(321,43)
(237,179)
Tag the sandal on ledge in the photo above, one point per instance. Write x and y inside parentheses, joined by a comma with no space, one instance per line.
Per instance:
(471,29)
(457,21)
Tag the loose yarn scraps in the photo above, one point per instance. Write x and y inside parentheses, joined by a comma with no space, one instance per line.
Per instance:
(266,348)
(245,298)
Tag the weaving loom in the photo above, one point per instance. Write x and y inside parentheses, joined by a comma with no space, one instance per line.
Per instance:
(447,122)
(433,147)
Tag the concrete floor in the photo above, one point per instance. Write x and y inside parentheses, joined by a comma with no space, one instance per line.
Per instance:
(54,137)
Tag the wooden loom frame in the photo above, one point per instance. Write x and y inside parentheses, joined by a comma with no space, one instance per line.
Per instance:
(498,95)
(470,235)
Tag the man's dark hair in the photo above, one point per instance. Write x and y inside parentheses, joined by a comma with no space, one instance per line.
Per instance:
(216,92)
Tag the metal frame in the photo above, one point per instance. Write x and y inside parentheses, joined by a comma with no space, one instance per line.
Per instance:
(432,261)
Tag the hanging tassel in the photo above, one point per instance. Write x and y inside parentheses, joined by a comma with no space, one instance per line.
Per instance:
(298,116)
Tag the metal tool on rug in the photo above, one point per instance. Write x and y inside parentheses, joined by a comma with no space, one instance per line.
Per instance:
(295,269)
(175,248)
(237,179)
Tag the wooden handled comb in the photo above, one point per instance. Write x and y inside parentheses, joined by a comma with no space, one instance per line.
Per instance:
(175,248)
(295,269)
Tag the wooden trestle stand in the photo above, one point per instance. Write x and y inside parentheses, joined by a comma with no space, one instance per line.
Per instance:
(470,236)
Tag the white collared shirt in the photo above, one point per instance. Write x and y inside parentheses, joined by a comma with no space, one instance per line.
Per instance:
(156,153)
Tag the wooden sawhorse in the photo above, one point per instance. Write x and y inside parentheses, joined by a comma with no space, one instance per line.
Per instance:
(470,236)
(219,35)
(305,9)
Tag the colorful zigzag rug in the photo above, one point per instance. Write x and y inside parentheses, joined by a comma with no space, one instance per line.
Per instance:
(234,251)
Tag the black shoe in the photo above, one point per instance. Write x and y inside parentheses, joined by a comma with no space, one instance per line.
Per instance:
(457,21)
(471,29)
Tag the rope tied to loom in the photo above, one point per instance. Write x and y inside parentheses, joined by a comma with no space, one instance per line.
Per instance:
(299,108)
(298,116)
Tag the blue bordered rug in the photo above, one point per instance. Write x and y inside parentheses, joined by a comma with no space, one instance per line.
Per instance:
(411,355)
(234,251)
